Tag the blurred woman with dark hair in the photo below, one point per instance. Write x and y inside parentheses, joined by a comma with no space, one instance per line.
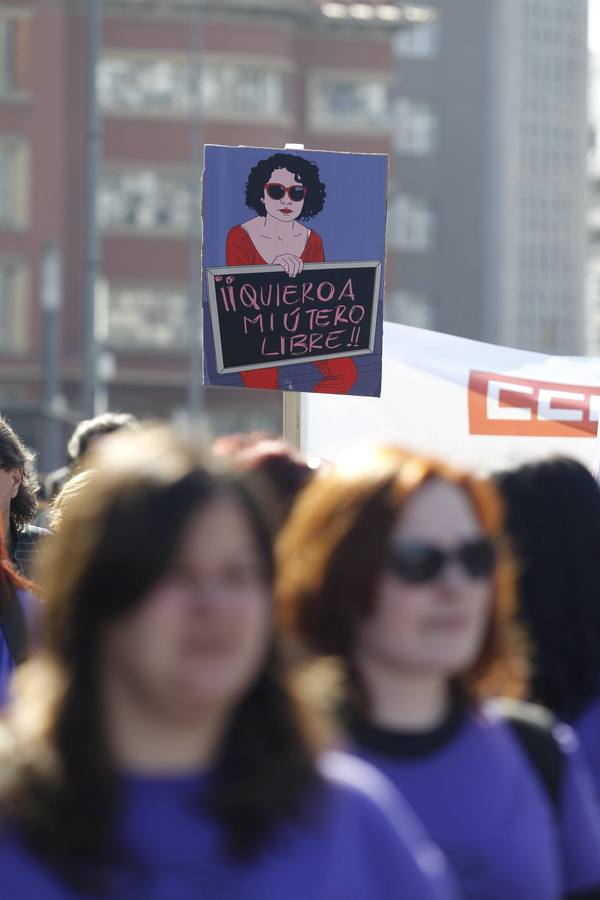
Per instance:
(153,750)
(393,564)
(553,518)
(19,487)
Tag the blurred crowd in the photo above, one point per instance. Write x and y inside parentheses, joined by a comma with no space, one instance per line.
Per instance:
(230,673)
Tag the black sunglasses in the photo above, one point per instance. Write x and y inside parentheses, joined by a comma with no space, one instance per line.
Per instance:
(416,562)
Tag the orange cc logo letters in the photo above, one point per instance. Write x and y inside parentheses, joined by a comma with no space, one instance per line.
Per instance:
(504,405)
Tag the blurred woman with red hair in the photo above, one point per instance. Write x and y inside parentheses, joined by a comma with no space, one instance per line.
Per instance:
(394,564)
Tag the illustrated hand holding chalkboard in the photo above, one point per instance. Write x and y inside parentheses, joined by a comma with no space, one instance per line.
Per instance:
(291,264)
(277,301)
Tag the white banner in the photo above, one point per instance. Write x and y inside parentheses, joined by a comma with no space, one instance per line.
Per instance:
(474,404)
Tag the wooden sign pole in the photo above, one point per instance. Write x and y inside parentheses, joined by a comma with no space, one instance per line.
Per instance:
(292,402)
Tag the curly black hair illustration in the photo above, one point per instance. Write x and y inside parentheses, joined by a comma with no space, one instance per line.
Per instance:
(307,173)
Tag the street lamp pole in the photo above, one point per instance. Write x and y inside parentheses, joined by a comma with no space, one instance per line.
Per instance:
(92,244)
(195,317)
(51,302)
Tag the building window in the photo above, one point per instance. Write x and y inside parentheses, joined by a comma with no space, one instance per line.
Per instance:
(14,183)
(410,224)
(15,54)
(145,200)
(224,88)
(244,91)
(348,101)
(411,308)
(418,41)
(144,317)
(414,128)
(14,307)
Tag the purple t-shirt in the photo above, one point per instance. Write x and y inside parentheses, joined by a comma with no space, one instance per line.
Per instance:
(476,792)
(31,611)
(7,668)
(364,844)
(587,727)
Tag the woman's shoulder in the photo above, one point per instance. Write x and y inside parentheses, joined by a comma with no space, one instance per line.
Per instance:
(502,722)
(241,233)
(356,783)
(238,232)
(528,721)
(369,805)
(314,238)
(543,745)
(239,247)
(314,250)
(352,776)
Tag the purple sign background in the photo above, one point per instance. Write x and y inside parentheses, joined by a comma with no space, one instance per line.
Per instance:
(351,225)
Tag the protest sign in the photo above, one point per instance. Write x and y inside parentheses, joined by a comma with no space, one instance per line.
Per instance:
(261,317)
(287,306)
(475,404)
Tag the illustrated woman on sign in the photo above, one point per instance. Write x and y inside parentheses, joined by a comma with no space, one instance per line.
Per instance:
(282,190)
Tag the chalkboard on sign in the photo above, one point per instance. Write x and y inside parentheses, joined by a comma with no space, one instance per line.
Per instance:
(261,317)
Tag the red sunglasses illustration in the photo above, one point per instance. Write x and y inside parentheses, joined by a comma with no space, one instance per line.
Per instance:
(295,192)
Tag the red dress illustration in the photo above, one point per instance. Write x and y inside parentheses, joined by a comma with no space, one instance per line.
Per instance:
(339,373)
